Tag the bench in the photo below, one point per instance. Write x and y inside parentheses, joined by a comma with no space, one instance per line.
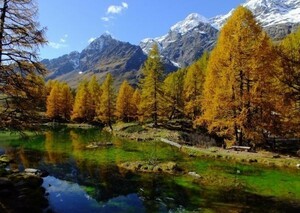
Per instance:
(241,148)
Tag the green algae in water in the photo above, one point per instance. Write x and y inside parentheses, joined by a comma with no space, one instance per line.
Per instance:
(64,154)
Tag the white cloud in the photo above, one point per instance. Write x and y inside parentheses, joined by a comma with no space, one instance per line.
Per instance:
(125,5)
(61,43)
(105,18)
(56,45)
(91,40)
(116,9)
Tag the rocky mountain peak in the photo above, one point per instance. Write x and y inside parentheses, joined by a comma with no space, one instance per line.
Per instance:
(267,12)
(185,41)
(100,43)
(189,23)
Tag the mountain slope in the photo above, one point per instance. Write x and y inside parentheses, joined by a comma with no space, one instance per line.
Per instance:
(103,55)
(186,40)
(277,17)
(62,65)
(108,54)
(184,43)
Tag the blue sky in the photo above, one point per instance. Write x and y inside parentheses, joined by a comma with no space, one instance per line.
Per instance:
(71,24)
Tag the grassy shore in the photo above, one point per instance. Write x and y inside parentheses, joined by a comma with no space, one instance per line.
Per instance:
(146,132)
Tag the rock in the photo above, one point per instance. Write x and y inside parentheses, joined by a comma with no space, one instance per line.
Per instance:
(168,167)
(194,174)
(36,172)
(94,145)
(5,183)
(26,180)
(29,170)
(298,165)
(5,159)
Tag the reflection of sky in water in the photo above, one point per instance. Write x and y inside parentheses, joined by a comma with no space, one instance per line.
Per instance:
(67,197)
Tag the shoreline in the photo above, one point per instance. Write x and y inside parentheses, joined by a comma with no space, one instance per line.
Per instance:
(259,158)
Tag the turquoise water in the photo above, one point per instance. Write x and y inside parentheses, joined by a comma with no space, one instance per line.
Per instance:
(90,180)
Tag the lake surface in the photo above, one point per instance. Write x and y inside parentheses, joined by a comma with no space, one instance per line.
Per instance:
(89,180)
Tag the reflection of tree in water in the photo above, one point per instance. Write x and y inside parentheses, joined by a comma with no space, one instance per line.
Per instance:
(22,155)
(66,158)
(52,142)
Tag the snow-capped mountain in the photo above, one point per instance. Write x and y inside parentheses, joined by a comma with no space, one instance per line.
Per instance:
(183,44)
(189,23)
(268,13)
(185,41)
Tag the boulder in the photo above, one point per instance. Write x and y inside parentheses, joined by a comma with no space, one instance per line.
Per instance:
(168,167)
(4,159)
(36,172)
(194,174)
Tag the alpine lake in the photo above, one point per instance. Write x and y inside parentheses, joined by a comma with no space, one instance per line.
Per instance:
(91,180)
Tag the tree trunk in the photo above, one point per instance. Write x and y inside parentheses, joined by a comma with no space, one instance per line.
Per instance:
(2,19)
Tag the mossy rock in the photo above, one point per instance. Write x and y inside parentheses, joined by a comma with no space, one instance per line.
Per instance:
(166,167)
(4,160)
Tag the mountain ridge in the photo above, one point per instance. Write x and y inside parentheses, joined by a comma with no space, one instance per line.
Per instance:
(184,43)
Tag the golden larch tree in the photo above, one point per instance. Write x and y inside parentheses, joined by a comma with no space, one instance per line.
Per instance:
(82,103)
(106,109)
(54,102)
(240,87)
(94,90)
(67,100)
(173,92)
(151,86)
(124,109)
(193,87)
(289,75)
(135,103)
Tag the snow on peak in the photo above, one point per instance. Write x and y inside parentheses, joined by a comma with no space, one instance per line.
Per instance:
(267,12)
(272,12)
(190,22)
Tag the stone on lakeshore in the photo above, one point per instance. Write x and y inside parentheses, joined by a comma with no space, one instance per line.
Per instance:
(5,159)
(194,174)
(36,172)
(30,170)
(168,167)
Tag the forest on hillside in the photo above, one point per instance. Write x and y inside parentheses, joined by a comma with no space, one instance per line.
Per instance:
(246,90)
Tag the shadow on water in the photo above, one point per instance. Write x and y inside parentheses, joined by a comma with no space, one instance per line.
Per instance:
(84,180)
